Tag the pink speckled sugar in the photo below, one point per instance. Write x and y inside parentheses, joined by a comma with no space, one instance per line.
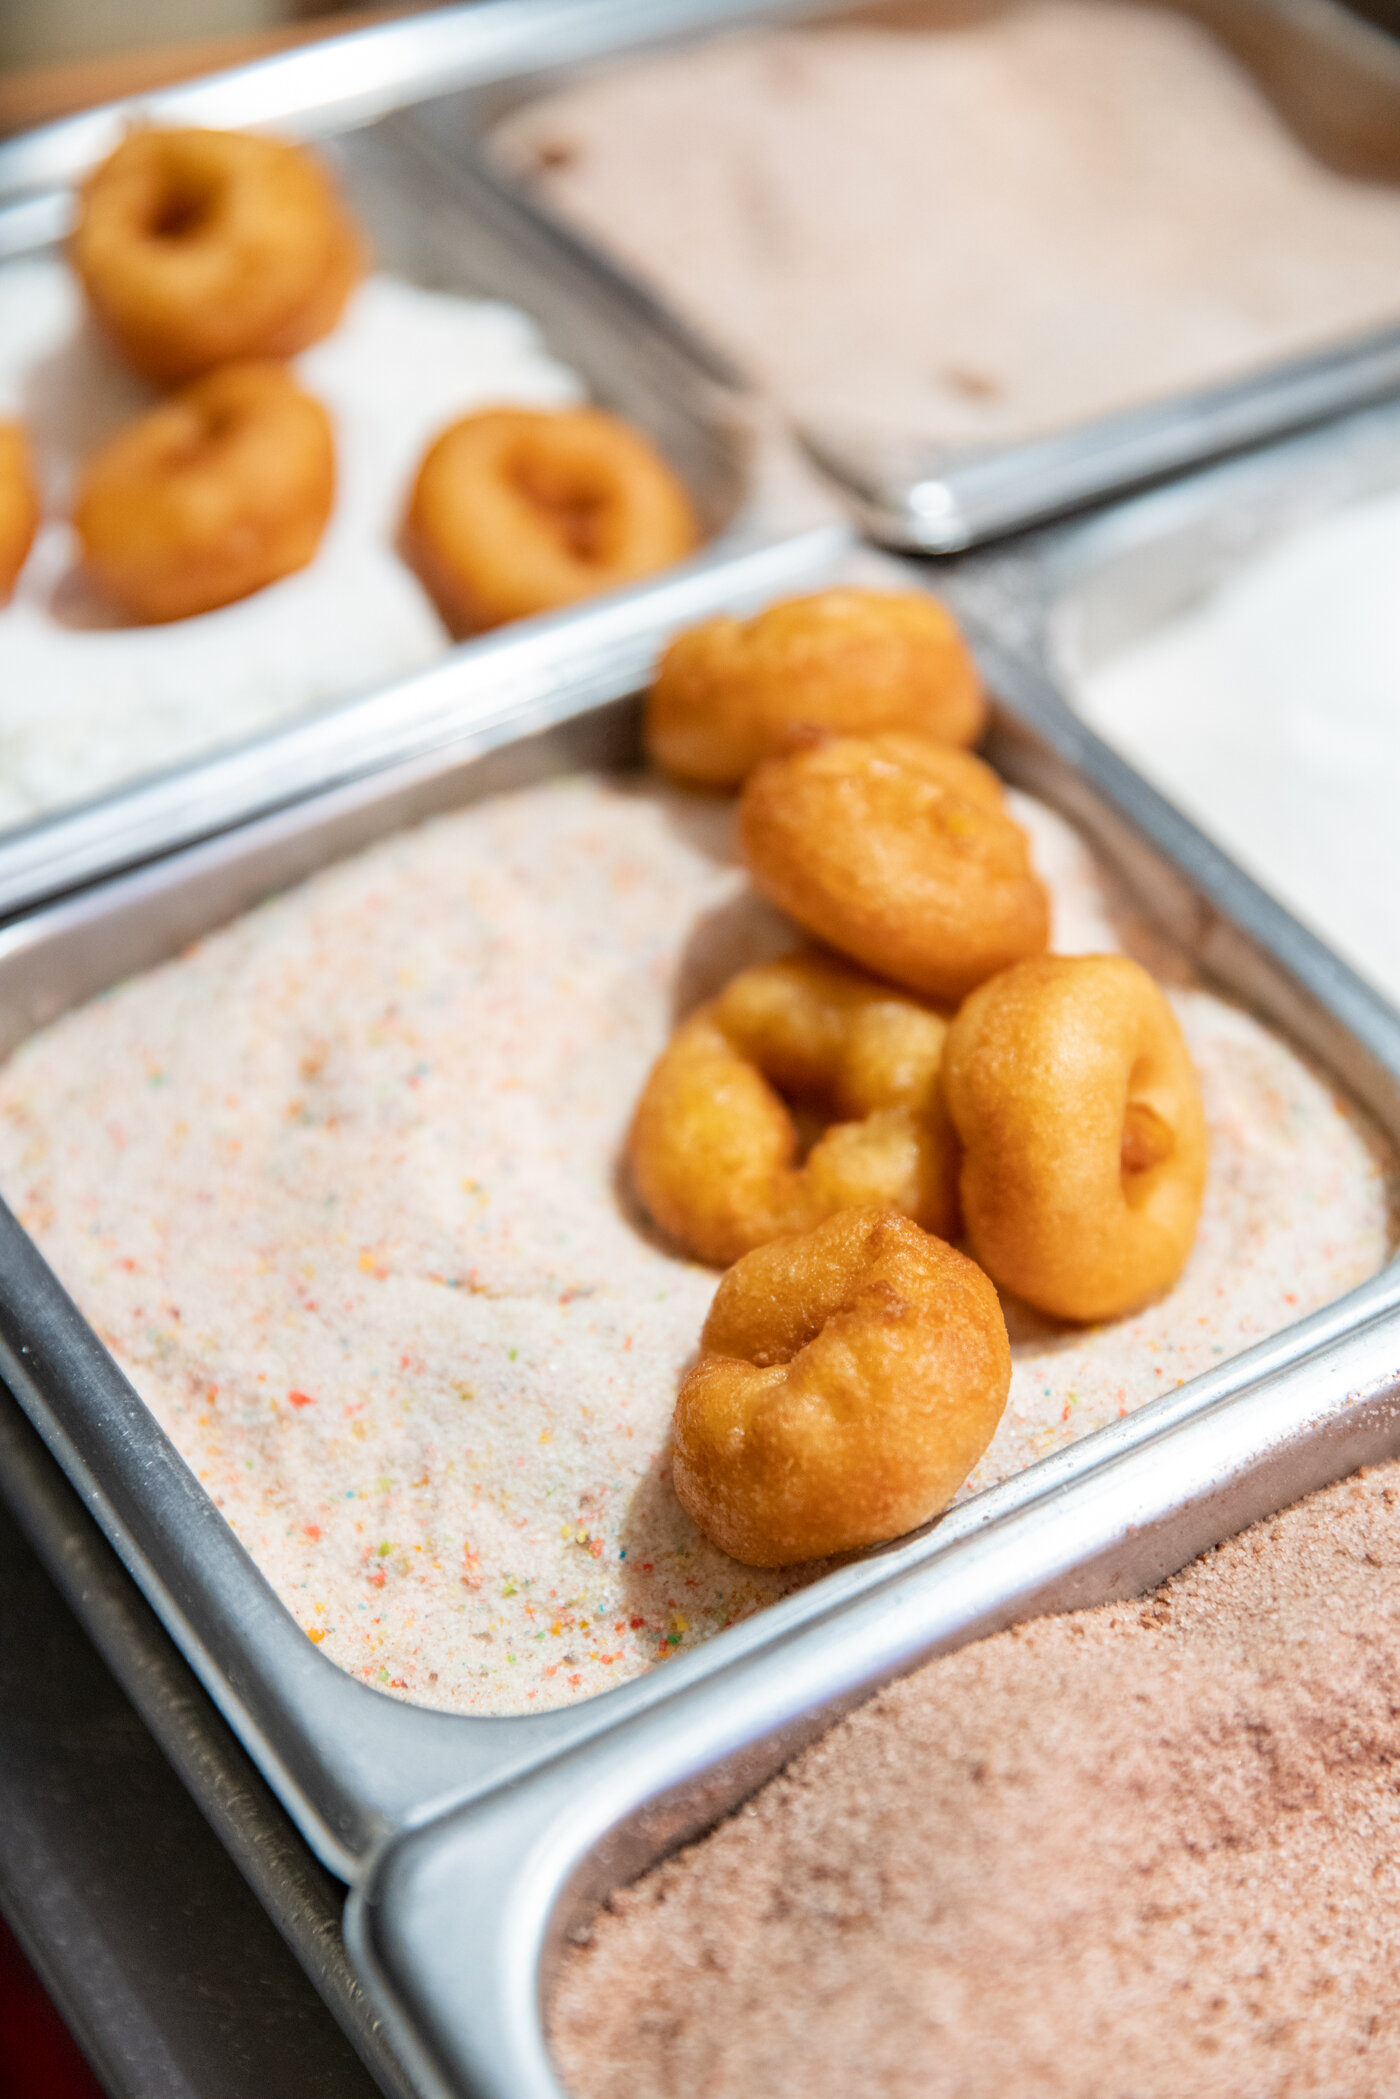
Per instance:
(339,1188)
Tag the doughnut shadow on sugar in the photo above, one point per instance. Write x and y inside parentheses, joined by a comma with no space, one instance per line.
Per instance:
(734,936)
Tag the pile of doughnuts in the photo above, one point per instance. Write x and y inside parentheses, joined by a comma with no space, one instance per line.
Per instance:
(950,1079)
(208,258)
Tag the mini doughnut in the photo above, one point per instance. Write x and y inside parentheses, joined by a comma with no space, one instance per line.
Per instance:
(714,1145)
(220,490)
(19,505)
(848,1382)
(879,847)
(200,248)
(1074,1093)
(729,692)
(518,510)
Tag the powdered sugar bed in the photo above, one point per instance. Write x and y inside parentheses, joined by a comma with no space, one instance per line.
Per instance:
(340,1190)
(88,702)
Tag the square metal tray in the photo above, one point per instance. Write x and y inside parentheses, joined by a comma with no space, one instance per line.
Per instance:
(459,1925)
(447,223)
(351,1764)
(476,1843)
(1334,78)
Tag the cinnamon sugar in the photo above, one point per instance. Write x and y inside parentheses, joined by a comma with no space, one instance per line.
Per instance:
(973,230)
(1152,1849)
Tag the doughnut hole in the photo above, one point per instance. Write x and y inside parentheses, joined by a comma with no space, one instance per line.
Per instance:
(1084,1140)
(202,248)
(849,1380)
(729,692)
(909,865)
(1147,1142)
(517,511)
(219,491)
(19,505)
(805,1088)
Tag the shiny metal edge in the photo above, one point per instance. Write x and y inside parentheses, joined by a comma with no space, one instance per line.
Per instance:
(516,681)
(351,1764)
(984,497)
(458,1928)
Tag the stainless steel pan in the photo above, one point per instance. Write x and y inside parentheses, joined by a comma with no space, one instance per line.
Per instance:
(353,1765)
(1335,79)
(459,1924)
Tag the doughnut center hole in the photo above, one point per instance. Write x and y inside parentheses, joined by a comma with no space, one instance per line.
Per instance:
(1147,1140)
(781,1348)
(202,437)
(810,1108)
(183,211)
(574,509)
(811,1126)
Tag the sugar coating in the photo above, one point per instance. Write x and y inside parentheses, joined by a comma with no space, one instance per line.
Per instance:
(340,1188)
(1267,711)
(972,231)
(85,704)
(1139,1852)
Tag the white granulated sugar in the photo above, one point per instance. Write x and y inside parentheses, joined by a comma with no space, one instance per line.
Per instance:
(972,231)
(1271,713)
(85,706)
(340,1188)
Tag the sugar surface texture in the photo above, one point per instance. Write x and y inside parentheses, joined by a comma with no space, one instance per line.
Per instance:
(86,704)
(1137,1852)
(340,1188)
(1271,712)
(971,232)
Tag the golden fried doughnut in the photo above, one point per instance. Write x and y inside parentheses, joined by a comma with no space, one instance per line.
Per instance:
(19,505)
(849,1381)
(714,1145)
(199,248)
(518,510)
(223,488)
(875,845)
(729,692)
(1074,1094)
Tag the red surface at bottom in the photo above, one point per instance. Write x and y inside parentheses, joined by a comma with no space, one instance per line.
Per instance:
(39,2059)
